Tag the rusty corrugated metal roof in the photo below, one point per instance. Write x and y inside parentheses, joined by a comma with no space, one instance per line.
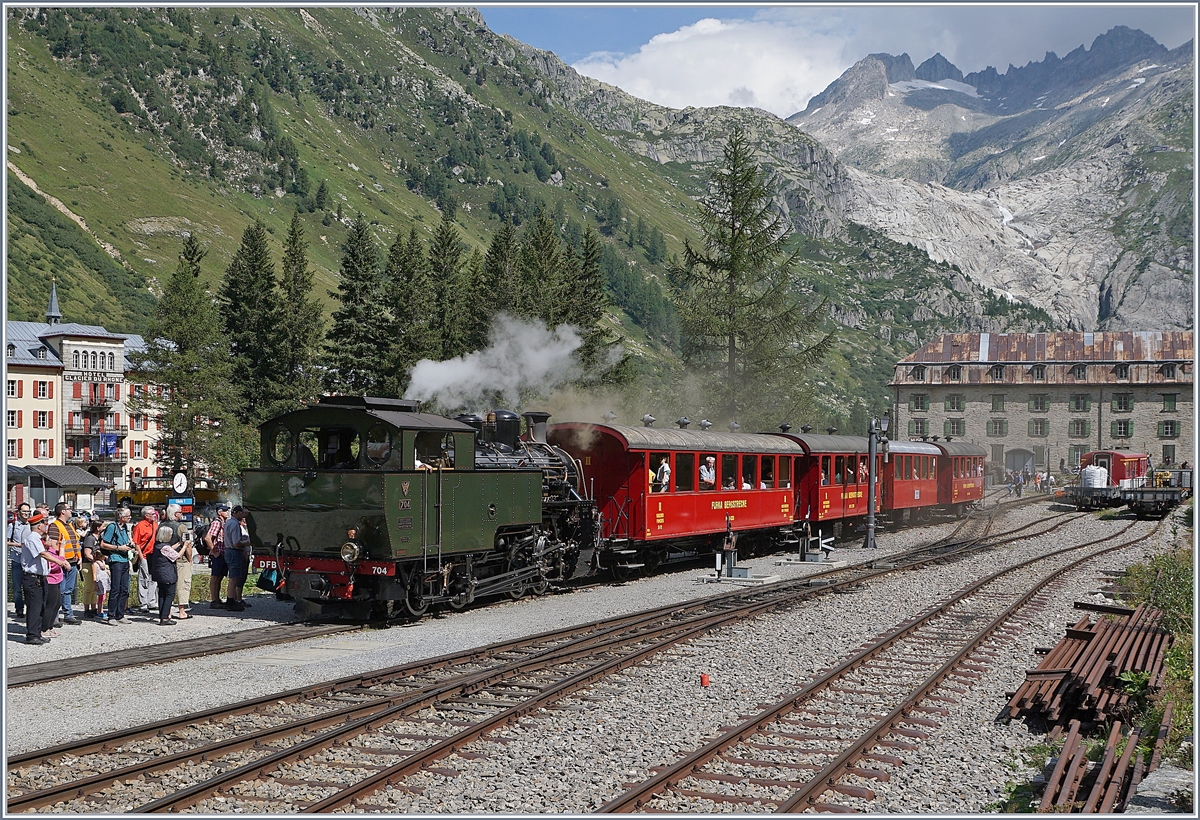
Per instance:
(1002,348)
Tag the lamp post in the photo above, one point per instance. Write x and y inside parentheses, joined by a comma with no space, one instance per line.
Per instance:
(875,435)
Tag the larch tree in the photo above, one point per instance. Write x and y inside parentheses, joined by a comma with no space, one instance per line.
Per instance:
(187,366)
(357,342)
(745,329)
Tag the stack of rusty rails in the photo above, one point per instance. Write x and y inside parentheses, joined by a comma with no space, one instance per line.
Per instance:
(1080,786)
(1080,677)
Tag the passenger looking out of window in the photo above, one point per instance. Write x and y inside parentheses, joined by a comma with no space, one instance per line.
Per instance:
(662,478)
(746,485)
(708,473)
(728,485)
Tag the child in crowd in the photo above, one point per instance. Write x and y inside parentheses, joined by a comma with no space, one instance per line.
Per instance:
(102,580)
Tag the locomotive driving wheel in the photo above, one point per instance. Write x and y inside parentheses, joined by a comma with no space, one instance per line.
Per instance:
(414,598)
(518,590)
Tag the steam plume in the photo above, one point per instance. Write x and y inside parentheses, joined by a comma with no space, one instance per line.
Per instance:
(523,356)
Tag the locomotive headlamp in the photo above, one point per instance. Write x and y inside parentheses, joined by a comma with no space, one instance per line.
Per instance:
(350,552)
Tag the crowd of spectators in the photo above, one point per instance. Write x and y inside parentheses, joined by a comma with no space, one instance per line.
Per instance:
(59,560)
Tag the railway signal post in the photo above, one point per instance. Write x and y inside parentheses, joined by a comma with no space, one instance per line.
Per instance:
(876,433)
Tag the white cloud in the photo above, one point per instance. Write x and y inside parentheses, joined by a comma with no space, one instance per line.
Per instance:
(713,62)
(783,56)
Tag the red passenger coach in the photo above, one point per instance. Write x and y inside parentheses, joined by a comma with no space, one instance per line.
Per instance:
(831,479)
(910,485)
(960,475)
(750,493)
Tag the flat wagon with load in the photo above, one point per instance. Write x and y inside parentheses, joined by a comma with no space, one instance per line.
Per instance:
(1163,490)
(1104,475)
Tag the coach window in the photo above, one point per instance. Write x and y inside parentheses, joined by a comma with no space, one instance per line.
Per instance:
(379,444)
(708,471)
(908,468)
(785,471)
(685,472)
(839,470)
(825,470)
(656,470)
(281,445)
(749,472)
(729,473)
(767,476)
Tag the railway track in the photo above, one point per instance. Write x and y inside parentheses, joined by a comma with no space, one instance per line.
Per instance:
(298,750)
(973,527)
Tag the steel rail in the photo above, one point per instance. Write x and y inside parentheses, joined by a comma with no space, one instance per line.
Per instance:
(637,798)
(43,797)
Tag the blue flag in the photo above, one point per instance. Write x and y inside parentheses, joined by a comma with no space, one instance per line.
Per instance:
(108,444)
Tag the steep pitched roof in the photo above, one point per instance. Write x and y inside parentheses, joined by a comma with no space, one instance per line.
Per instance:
(1115,346)
(26,339)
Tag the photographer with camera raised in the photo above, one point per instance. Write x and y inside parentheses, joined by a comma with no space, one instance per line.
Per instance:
(181,542)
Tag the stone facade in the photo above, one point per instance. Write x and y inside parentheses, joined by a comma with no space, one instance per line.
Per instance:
(1044,399)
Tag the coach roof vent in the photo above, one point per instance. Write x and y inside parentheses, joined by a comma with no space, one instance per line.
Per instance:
(806,429)
(705,424)
(783,428)
(648,420)
(734,427)
(683,422)
(610,417)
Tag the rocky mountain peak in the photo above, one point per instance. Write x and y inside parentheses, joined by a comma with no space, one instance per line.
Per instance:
(865,80)
(937,68)
(899,69)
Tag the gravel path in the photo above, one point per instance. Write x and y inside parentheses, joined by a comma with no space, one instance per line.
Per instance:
(627,725)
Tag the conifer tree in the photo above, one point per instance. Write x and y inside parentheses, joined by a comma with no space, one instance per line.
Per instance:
(452,299)
(744,328)
(356,344)
(187,355)
(408,293)
(300,327)
(501,272)
(478,318)
(250,313)
(542,271)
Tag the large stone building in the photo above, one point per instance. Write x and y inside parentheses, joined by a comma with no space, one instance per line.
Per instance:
(1041,400)
(65,400)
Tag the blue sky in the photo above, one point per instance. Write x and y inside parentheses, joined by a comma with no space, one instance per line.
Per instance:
(776,57)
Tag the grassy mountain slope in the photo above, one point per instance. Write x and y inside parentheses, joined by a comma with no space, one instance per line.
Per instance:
(147,124)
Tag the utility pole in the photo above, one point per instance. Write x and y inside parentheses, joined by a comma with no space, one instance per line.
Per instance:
(875,434)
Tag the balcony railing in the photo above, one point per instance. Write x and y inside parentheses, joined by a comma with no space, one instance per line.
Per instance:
(95,402)
(92,458)
(84,429)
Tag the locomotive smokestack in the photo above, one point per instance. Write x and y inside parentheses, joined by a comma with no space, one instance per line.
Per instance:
(535,425)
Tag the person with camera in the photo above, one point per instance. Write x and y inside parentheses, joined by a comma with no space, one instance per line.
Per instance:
(181,541)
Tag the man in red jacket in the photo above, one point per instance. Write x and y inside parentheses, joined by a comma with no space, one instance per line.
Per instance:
(143,538)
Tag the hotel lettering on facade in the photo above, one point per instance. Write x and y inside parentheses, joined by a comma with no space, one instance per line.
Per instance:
(1041,400)
(65,400)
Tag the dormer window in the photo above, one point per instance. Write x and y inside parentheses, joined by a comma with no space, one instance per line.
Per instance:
(997,372)
(953,373)
(1038,372)
(1121,371)
(41,353)
(1168,370)
(12,351)
(918,373)
(1079,372)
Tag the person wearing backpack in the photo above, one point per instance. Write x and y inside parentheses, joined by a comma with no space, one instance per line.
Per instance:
(214,540)
(18,528)
(117,547)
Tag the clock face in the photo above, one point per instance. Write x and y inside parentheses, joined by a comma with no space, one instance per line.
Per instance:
(179,482)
